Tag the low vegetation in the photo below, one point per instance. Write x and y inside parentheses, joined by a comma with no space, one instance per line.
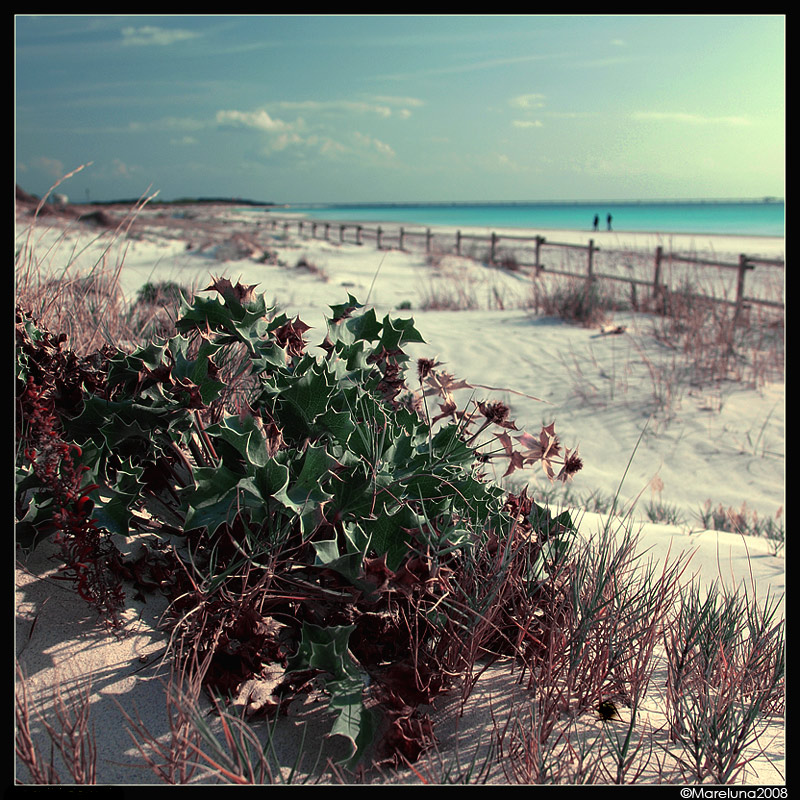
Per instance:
(324,523)
(366,514)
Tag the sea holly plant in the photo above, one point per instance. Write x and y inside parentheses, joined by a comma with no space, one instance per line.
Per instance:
(327,519)
(327,650)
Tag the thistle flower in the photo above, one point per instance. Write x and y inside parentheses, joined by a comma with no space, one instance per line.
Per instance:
(572,464)
(497,413)
(424,368)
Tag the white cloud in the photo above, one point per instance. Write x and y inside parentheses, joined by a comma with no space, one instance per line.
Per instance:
(150,34)
(527,123)
(260,120)
(50,166)
(329,147)
(280,134)
(283,140)
(120,169)
(504,162)
(608,61)
(179,123)
(527,101)
(317,135)
(374,144)
(392,100)
(338,106)
(467,67)
(690,119)
(569,114)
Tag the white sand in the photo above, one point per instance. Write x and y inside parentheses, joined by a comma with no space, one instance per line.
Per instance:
(724,445)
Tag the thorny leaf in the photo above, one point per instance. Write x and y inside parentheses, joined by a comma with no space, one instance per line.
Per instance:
(290,336)
(238,295)
(326,649)
(345,310)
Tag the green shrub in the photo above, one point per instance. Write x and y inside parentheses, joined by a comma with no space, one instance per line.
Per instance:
(330,523)
(161,293)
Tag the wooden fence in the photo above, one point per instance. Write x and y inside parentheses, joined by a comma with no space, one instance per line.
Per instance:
(400,237)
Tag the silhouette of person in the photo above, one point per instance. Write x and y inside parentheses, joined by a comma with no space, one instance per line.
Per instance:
(596,221)
(608,221)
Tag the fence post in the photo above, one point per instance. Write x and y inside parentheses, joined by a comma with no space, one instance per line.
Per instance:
(744,265)
(494,248)
(358,234)
(400,242)
(378,238)
(538,264)
(327,230)
(589,276)
(657,272)
(341,234)
(427,240)
(458,243)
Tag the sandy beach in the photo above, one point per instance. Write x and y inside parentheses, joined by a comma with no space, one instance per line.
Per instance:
(620,398)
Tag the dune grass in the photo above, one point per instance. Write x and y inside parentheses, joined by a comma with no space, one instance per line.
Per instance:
(618,625)
(588,625)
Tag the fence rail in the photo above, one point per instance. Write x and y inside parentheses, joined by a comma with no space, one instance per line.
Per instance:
(399,236)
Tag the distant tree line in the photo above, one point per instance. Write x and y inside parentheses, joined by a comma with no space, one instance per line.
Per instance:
(22,195)
(235,201)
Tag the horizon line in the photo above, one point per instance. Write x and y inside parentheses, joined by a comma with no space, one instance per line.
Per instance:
(764,199)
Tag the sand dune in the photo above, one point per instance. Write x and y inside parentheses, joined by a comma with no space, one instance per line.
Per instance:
(722,444)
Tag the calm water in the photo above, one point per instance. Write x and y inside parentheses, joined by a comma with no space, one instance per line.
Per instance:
(740,218)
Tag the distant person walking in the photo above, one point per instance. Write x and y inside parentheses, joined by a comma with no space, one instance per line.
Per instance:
(596,221)
(608,221)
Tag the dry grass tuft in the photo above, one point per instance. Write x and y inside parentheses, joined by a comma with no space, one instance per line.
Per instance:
(67,726)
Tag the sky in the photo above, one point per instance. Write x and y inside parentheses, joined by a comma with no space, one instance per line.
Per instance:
(410,108)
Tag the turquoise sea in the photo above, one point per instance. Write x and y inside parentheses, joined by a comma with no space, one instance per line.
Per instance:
(746,218)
